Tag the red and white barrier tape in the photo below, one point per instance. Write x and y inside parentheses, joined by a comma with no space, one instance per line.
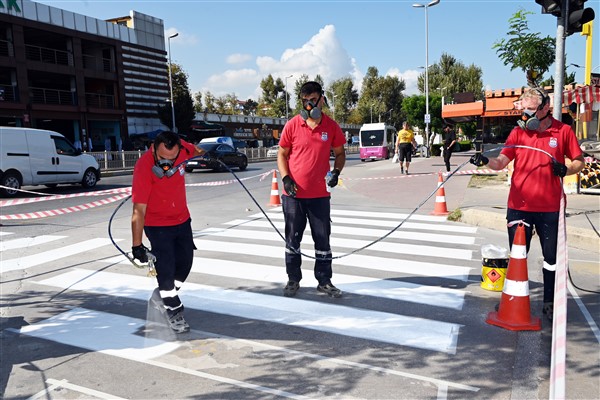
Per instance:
(65,210)
(469,172)
(559,317)
(123,192)
(47,197)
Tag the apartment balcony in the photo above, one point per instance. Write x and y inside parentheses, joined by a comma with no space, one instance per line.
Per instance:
(8,93)
(100,100)
(6,49)
(49,56)
(52,96)
(98,63)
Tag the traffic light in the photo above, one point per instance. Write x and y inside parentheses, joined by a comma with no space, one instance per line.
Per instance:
(550,7)
(578,15)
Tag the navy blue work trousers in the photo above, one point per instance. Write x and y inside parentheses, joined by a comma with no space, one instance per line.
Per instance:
(174,248)
(318,213)
(546,227)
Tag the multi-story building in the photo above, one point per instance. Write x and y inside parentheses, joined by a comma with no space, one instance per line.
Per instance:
(92,80)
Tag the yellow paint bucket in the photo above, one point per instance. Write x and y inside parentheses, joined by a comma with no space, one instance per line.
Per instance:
(493,273)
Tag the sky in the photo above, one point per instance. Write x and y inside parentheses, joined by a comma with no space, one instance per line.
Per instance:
(228,47)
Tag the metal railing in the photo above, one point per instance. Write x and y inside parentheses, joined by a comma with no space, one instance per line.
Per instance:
(98,63)
(100,100)
(111,161)
(6,48)
(46,55)
(52,96)
(8,93)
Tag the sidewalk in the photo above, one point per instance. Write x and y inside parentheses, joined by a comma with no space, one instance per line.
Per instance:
(485,205)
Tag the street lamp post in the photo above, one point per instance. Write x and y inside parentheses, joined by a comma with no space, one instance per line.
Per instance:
(174,128)
(286,97)
(427,116)
(372,112)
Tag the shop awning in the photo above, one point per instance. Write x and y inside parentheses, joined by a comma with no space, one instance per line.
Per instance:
(582,95)
(455,111)
(501,106)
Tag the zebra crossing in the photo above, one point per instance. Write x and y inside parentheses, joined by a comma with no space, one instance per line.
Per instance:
(250,250)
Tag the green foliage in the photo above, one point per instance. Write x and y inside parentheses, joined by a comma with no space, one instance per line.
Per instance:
(450,76)
(526,51)
(184,105)
(380,100)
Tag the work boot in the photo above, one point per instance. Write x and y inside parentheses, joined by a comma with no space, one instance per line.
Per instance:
(178,323)
(291,288)
(548,309)
(330,290)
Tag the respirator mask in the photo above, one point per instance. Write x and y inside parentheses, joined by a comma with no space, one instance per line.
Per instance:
(164,167)
(530,121)
(310,109)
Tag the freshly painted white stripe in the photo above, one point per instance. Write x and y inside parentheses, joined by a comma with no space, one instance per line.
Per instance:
(52,255)
(516,288)
(2,233)
(90,334)
(351,244)
(365,232)
(518,251)
(355,260)
(56,384)
(392,224)
(390,289)
(337,319)
(27,242)
(99,331)
(388,216)
(586,313)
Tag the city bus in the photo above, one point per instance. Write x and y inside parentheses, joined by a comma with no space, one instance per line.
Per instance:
(376,141)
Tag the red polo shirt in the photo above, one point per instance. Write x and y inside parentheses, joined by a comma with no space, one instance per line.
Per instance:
(165,197)
(534,187)
(308,160)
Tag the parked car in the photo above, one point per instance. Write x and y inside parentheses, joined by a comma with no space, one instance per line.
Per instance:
(272,152)
(216,152)
(40,157)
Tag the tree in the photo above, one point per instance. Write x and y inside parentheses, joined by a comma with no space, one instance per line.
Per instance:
(249,107)
(184,105)
(381,97)
(413,108)
(450,76)
(527,51)
(345,98)
(198,102)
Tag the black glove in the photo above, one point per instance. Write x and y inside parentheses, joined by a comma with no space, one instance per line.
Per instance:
(479,160)
(140,252)
(333,181)
(559,169)
(289,185)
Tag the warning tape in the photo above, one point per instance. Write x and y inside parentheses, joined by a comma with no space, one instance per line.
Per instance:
(122,193)
(65,210)
(469,172)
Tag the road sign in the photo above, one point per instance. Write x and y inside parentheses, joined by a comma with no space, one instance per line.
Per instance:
(427,118)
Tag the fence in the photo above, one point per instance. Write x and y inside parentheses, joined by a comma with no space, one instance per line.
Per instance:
(111,161)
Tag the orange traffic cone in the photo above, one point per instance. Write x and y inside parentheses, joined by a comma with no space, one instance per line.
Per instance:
(440,199)
(275,200)
(514,312)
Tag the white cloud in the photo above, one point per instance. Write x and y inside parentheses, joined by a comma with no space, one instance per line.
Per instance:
(238,58)
(410,79)
(322,54)
(182,39)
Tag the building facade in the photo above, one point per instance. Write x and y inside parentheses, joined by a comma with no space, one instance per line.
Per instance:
(94,81)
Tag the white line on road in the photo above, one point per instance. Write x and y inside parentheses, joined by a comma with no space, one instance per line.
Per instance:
(63,383)
(27,242)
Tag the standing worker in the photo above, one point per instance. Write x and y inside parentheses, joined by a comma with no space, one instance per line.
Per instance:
(303,162)
(536,184)
(449,142)
(404,146)
(160,210)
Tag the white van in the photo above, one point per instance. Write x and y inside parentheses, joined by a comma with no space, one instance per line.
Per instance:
(39,157)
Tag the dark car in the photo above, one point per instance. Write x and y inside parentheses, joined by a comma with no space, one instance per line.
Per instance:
(216,152)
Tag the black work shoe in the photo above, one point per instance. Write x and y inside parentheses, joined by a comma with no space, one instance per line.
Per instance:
(291,288)
(548,309)
(330,290)
(178,323)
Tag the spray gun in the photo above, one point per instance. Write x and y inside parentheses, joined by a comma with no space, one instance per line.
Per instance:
(149,264)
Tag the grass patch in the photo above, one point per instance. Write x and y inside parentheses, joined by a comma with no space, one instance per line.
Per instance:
(478,181)
(455,215)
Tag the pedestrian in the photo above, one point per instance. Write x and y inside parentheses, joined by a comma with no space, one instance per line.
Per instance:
(303,162)
(449,142)
(404,146)
(160,211)
(536,184)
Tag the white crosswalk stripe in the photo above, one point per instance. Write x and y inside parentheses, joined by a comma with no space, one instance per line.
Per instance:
(425,246)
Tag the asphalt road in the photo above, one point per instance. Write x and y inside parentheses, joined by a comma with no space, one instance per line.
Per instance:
(411,323)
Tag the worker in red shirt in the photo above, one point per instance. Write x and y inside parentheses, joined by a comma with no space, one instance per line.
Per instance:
(536,184)
(303,162)
(160,210)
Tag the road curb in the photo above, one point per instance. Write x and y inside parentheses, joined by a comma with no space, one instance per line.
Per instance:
(580,238)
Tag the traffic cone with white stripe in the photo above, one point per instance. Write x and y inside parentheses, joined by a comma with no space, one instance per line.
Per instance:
(440,198)
(514,312)
(275,199)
